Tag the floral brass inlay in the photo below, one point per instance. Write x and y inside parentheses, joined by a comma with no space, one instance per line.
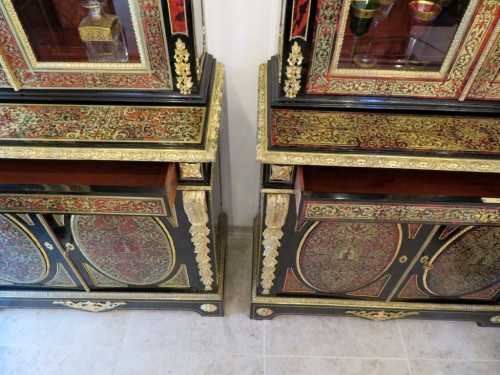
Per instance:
(91,306)
(8,71)
(22,258)
(182,68)
(208,154)
(133,250)
(381,316)
(293,71)
(276,212)
(495,319)
(85,123)
(484,83)
(375,160)
(467,263)
(82,204)
(341,257)
(401,213)
(385,132)
(195,206)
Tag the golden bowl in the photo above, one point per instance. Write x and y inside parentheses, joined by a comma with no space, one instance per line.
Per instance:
(423,10)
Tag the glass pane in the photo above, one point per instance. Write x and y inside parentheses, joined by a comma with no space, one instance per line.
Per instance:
(79,30)
(400,34)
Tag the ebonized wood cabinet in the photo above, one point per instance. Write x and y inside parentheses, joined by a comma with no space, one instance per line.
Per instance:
(379,138)
(109,174)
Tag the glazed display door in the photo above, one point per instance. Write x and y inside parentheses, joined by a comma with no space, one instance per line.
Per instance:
(412,48)
(99,44)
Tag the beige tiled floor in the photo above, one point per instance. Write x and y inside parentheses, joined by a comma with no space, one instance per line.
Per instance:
(34,342)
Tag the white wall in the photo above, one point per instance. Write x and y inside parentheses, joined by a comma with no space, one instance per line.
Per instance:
(242,34)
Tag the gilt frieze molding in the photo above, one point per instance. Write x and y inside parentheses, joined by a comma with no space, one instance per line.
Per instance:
(276,212)
(195,206)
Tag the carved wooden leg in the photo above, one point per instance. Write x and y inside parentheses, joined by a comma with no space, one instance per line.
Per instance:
(195,205)
(276,211)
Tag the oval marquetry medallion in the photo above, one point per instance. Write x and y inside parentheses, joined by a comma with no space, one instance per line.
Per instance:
(130,249)
(466,264)
(341,257)
(22,258)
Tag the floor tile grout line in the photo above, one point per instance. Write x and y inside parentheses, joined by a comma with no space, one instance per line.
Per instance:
(123,343)
(336,357)
(404,348)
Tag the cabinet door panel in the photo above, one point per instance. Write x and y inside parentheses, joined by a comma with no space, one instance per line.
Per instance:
(339,258)
(461,263)
(29,257)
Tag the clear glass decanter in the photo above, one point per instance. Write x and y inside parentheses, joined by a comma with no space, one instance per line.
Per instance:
(102,34)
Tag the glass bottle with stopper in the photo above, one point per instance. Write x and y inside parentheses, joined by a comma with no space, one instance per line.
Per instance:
(102,34)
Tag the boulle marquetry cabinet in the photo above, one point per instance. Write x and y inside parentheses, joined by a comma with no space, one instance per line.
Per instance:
(109,176)
(379,138)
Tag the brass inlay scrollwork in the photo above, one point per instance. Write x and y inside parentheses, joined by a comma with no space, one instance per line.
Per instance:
(495,319)
(10,73)
(293,72)
(195,206)
(381,315)
(402,212)
(208,154)
(182,68)
(357,160)
(276,212)
(91,306)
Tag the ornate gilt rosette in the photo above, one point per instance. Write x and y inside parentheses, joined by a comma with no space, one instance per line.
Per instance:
(293,71)
(195,205)
(182,68)
(276,211)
